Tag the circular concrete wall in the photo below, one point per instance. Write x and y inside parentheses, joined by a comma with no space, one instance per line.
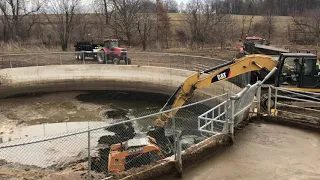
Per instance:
(101,77)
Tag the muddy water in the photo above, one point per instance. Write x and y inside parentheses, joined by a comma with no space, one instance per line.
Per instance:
(45,114)
(263,151)
(33,117)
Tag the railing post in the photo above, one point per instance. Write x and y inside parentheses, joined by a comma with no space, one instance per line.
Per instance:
(228,115)
(269,100)
(89,157)
(259,99)
(232,111)
(275,100)
(184,62)
(148,59)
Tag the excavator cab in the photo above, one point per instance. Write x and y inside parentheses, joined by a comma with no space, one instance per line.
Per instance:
(299,70)
(133,153)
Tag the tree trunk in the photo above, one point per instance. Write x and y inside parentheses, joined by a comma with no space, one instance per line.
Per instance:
(144,45)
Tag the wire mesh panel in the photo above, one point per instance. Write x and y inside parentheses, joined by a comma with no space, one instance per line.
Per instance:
(51,152)
(243,103)
(169,60)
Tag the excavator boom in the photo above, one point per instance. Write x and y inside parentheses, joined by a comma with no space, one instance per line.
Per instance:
(206,78)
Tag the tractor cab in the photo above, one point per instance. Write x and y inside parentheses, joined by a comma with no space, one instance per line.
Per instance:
(298,70)
(111,43)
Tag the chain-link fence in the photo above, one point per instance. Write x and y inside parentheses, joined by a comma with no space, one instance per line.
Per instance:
(179,61)
(109,148)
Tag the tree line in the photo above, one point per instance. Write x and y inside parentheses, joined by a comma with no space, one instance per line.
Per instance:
(147,22)
(277,7)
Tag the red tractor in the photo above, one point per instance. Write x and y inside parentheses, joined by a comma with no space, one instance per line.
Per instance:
(112,52)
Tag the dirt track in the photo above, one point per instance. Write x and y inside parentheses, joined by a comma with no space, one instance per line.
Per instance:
(263,151)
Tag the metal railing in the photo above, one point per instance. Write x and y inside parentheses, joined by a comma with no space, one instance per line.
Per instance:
(215,120)
(90,147)
(224,117)
(293,104)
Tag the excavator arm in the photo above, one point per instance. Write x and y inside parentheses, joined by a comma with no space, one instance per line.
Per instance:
(208,77)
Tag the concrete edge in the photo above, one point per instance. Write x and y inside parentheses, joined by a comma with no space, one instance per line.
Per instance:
(297,123)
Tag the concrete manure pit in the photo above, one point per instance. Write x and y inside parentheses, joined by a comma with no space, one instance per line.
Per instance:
(51,100)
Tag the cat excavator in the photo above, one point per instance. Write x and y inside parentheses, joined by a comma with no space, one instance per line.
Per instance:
(298,71)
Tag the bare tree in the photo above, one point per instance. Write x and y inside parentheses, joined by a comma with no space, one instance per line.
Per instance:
(125,17)
(269,22)
(309,23)
(163,25)
(203,19)
(145,24)
(15,17)
(172,6)
(244,23)
(103,8)
(61,16)
(182,8)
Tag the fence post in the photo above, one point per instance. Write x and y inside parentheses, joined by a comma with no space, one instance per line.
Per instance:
(83,57)
(37,59)
(89,157)
(269,100)
(10,62)
(184,62)
(178,153)
(60,59)
(148,59)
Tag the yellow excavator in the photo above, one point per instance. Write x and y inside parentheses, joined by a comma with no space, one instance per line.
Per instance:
(298,71)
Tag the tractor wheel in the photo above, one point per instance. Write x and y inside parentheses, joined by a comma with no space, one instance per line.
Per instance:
(128,61)
(78,55)
(82,56)
(100,58)
(116,61)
